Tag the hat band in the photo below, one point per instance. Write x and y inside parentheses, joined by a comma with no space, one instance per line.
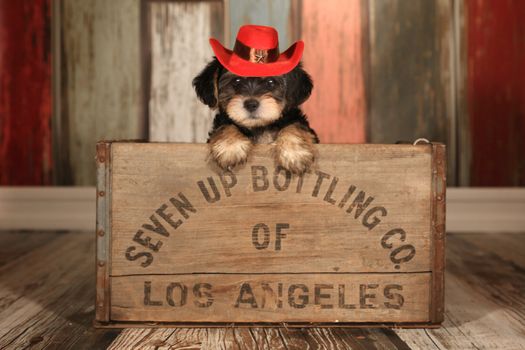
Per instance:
(255,55)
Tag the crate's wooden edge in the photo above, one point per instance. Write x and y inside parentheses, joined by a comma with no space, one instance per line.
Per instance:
(124,141)
(123,324)
(437,229)
(103,231)
(140,141)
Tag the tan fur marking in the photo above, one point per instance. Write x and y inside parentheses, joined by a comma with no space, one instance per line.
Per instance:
(294,149)
(236,110)
(216,88)
(266,137)
(269,110)
(229,147)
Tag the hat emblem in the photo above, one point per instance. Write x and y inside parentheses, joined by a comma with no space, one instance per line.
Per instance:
(261,56)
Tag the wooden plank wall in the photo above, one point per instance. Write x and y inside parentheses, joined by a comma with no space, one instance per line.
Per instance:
(281,14)
(411,72)
(462,126)
(178,33)
(25,92)
(384,71)
(409,91)
(100,88)
(496,91)
(332,31)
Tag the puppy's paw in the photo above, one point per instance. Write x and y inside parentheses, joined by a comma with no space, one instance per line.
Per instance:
(297,158)
(228,154)
(294,149)
(229,147)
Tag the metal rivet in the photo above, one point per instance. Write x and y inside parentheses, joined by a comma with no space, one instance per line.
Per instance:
(101,263)
(101,233)
(102,193)
(439,198)
(101,159)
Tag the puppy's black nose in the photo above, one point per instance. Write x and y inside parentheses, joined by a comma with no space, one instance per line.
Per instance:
(251,104)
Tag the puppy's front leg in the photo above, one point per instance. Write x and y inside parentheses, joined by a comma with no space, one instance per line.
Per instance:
(229,146)
(294,148)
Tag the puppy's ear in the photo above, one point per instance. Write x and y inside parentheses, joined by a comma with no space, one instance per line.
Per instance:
(299,86)
(205,83)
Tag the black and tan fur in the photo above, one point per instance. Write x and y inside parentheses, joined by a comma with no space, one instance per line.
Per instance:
(258,110)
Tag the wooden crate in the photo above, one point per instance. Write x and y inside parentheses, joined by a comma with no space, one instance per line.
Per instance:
(358,241)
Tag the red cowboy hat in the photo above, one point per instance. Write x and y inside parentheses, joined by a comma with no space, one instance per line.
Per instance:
(256,53)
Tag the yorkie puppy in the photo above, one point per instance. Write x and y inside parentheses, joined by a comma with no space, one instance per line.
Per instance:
(258,110)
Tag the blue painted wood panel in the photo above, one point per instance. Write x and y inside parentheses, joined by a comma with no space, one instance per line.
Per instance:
(275,13)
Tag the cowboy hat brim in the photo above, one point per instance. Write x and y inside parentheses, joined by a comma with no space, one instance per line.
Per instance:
(287,61)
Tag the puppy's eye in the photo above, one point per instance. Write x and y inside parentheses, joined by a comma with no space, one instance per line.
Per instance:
(237,81)
(270,82)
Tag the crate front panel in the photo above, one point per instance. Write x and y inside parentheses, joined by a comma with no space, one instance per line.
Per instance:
(360,219)
(323,298)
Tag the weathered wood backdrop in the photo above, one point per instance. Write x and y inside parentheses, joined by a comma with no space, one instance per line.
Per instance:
(446,70)
(496,91)
(178,50)
(25,92)
(333,30)
(100,90)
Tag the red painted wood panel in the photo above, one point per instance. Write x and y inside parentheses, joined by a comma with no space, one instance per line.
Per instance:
(496,91)
(25,92)
(331,30)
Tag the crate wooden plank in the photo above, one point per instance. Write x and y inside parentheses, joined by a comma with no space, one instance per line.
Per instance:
(103,230)
(272,298)
(386,180)
(178,49)
(438,233)
(366,223)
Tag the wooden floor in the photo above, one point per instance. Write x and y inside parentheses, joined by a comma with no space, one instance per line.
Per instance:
(47,293)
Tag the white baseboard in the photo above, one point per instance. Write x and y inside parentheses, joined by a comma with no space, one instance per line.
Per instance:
(47,208)
(480,209)
(73,208)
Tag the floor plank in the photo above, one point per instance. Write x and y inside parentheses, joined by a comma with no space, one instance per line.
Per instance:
(47,293)
(484,293)
(15,244)
(507,246)
(258,338)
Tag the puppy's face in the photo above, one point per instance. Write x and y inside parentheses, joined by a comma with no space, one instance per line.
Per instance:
(251,101)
